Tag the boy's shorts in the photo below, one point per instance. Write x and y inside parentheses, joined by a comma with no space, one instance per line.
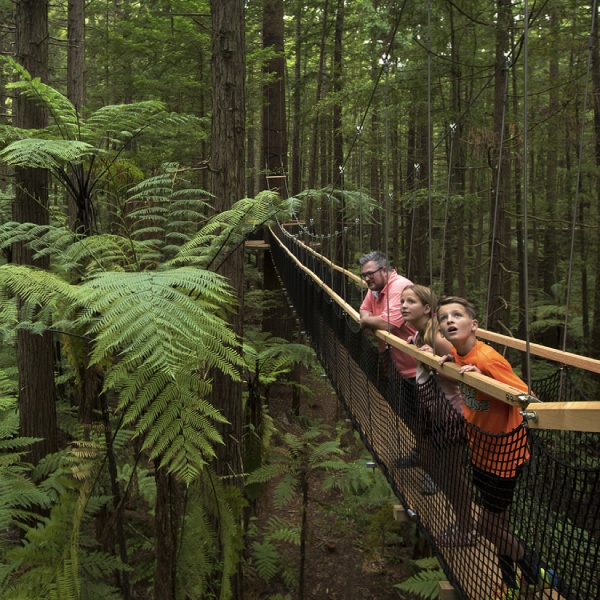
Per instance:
(496,492)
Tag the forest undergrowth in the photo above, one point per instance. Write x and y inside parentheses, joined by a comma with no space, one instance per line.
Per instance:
(354,549)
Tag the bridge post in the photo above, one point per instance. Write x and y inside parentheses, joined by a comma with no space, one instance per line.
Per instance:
(447,592)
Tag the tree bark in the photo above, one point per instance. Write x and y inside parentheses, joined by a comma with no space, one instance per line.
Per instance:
(340,253)
(167,529)
(228,171)
(497,309)
(296,181)
(37,401)
(274,138)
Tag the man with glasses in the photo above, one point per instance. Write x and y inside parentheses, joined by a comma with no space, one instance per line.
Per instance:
(381,310)
(381,307)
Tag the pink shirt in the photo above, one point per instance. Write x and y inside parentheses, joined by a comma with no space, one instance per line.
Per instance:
(386,304)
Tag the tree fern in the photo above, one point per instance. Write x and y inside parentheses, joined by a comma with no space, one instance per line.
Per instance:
(168,210)
(80,153)
(226,230)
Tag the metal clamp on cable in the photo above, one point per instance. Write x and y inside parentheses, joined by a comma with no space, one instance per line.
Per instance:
(526,399)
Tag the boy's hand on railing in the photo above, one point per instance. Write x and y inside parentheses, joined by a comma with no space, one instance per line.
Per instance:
(446,358)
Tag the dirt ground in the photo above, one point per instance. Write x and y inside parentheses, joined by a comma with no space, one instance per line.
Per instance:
(340,565)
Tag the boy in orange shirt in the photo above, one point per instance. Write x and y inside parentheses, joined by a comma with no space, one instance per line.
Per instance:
(498,443)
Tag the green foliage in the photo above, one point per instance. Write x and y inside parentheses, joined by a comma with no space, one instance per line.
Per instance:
(225,231)
(267,358)
(156,330)
(82,154)
(165,208)
(208,553)
(424,584)
(268,556)
(19,496)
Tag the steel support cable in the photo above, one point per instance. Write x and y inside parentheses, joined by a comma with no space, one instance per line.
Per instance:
(415,173)
(444,231)
(360,202)
(498,175)
(385,59)
(429,146)
(386,184)
(513,52)
(525,192)
(576,203)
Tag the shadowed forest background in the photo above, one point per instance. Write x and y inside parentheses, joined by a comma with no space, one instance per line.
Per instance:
(141,143)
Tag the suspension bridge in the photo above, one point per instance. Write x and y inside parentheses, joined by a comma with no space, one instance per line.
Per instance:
(555,511)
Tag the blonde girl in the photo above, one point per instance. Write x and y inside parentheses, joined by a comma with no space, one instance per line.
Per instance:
(442,448)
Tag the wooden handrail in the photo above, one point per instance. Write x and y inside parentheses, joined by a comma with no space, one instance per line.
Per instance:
(569,416)
(558,356)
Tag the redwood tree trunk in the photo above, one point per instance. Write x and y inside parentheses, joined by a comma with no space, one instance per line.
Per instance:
(341,254)
(228,171)
(37,402)
(76,91)
(274,138)
(497,307)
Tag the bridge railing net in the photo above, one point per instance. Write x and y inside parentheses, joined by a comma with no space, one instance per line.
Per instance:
(426,451)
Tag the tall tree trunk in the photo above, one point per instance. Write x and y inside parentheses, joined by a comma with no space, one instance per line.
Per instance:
(76,66)
(296,182)
(313,156)
(167,521)
(37,401)
(78,215)
(340,254)
(497,309)
(274,137)
(550,241)
(228,171)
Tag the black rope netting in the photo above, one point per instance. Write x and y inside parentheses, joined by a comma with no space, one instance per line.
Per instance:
(516,512)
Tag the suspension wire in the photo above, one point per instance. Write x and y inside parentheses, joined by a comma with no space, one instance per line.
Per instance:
(343,236)
(525,192)
(434,324)
(498,174)
(429,146)
(386,184)
(512,52)
(360,204)
(384,61)
(415,173)
(576,204)
(447,210)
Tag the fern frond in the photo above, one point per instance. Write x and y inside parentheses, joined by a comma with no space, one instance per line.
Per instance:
(265,473)
(36,286)
(327,448)
(285,489)
(151,317)
(45,154)
(226,230)
(265,557)
(424,584)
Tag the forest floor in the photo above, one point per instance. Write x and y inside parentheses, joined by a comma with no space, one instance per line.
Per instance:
(348,556)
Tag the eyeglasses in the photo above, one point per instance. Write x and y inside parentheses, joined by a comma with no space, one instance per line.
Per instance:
(369,274)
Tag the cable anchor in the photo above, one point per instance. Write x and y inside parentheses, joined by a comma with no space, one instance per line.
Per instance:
(529,415)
